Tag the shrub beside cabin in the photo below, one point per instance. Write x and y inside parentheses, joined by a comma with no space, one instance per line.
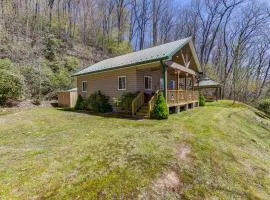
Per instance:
(170,68)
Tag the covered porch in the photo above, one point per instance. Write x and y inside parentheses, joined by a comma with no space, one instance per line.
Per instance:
(175,77)
(179,85)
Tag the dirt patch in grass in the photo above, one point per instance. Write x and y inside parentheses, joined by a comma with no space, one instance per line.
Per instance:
(169,181)
(183,152)
(169,184)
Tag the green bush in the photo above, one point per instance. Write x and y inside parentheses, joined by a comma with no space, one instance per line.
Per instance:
(161,110)
(71,63)
(35,81)
(36,101)
(116,48)
(11,85)
(61,80)
(126,100)
(98,102)
(3,100)
(201,100)
(5,64)
(264,105)
(50,48)
(80,103)
(55,65)
(54,46)
(116,102)
(47,77)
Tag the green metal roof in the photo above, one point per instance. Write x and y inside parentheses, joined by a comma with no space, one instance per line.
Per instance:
(73,90)
(207,82)
(156,53)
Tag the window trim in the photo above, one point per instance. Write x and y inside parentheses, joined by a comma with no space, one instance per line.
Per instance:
(151,82)
(86,86)
(125,82)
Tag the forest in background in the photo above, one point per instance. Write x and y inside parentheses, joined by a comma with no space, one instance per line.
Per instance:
(42,42)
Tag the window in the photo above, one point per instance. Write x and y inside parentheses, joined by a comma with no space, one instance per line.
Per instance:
(84,86)
(121,82)
(147,82)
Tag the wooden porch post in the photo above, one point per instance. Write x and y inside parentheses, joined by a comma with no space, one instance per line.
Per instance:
(178,80)
(192,88)
(178,88)
(186,87)
(186,81)
(216,93)
(165,68)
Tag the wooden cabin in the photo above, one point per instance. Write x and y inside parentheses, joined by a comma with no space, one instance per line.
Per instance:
(170,68)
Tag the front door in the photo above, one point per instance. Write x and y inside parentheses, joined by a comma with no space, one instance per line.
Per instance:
(148,84)
(172,85)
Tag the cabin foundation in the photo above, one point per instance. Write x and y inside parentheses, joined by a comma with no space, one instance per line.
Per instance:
(181,108)
(177,109)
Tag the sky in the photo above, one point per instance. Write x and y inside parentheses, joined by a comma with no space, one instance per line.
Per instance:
(183,2)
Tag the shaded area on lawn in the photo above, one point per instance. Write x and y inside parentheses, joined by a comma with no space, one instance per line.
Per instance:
(107,115)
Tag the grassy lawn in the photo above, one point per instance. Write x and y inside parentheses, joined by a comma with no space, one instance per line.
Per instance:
(221,151)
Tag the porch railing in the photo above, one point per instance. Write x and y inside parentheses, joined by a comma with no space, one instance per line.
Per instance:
(181,96)
(196,95)
(151,103)
(137,103)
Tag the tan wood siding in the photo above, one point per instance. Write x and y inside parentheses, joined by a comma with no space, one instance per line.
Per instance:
(67,99)
(154,72)
(73,99)
(107,82)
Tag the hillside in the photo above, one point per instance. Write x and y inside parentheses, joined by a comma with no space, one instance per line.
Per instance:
(219,151)
(43,42)
(37,71)
(35,65)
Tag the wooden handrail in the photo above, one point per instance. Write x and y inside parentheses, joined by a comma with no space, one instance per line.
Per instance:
(181,96)
(177,90)
(137,102)
(195,95)
(152,102)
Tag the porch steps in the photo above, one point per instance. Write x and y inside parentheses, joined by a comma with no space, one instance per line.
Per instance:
(143,111)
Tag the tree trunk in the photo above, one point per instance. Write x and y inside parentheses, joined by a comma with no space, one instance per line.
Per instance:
(154,29)
(264,80)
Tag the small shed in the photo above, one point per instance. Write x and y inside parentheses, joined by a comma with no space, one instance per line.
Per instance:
(67,98)
(210,89)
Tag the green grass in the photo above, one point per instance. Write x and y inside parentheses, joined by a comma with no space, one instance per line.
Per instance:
(56,154)
(231,153)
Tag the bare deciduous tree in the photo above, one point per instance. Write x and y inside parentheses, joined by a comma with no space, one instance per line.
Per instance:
(230,36)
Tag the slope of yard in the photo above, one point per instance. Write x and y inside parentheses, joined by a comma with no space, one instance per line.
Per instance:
(219,151)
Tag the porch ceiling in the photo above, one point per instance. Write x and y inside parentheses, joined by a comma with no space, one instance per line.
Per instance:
(181,68)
